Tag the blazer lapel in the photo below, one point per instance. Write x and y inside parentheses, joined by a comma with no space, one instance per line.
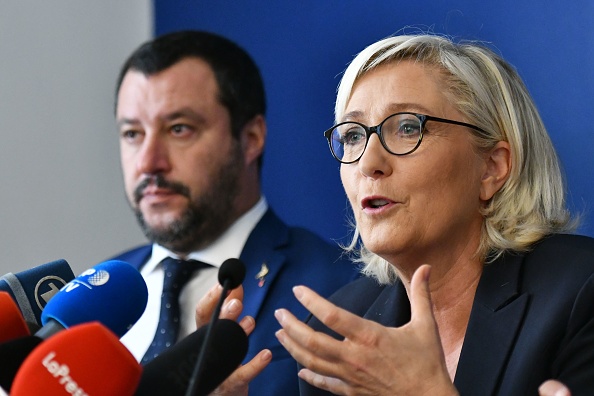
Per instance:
(391,308)
(494,323)
(264,260)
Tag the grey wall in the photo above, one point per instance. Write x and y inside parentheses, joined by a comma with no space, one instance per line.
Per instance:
(61,193)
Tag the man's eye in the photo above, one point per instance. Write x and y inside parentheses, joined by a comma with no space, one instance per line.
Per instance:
(179,129)
(129,135)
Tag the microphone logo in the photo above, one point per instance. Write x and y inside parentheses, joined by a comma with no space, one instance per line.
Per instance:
(94,278)
(62,371)
(99,278)
(46,288)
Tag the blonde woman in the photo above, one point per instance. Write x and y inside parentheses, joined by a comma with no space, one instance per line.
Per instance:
(473,286)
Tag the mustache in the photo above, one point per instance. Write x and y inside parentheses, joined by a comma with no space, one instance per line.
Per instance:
(159,181)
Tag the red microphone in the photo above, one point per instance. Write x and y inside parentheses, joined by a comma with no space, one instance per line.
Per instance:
(86,359)
(15,340)
(12,324)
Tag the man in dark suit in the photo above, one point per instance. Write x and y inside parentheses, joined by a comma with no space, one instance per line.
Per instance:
(190,110)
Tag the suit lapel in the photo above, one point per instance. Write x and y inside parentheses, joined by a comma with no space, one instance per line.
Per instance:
(391,308)
(496,314)
(262,255)
(264,260)
(136,257)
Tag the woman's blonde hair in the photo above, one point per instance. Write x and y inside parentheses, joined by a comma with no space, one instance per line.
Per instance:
(491,95)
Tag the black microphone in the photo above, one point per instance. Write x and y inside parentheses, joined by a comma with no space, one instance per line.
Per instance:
(13,355)
(171,371)
(231,274)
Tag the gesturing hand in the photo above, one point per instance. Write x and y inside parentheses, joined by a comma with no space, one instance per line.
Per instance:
(372,359)
(238,381)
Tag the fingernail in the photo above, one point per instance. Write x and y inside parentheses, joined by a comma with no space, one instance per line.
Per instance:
(280,335)
(233,307)
(247,324)
(266,356)
(298,292)
(279,314)
(301,374)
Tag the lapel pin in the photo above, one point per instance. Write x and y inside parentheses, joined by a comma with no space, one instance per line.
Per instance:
(261,276)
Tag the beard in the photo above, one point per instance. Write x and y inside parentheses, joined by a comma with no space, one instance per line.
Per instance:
(206,217)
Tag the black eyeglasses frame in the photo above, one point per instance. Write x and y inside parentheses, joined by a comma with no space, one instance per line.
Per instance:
(423,118)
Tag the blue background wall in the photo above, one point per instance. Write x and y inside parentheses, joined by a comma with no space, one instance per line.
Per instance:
(303,46)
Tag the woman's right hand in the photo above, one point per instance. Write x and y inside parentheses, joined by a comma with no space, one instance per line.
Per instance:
(371,359)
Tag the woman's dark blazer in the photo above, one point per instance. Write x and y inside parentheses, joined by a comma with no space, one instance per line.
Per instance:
(532,319)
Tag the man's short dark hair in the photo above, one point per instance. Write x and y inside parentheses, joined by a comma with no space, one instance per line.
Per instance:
(241,89)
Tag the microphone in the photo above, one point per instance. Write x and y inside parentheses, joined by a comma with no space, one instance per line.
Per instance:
(33,288)
(231,274)
(170,372)
(13,354)
(12,324)
(14,343)
(112,293)
(86,359)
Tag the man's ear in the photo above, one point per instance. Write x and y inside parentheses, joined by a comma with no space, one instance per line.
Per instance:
(497,170)
(253,138)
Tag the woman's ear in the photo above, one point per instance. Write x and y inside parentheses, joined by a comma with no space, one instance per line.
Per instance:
(253,138)
(497,171)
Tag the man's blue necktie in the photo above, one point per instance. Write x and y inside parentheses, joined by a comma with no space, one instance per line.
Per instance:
(177,274)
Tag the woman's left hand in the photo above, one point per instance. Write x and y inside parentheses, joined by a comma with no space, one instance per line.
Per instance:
(372,359)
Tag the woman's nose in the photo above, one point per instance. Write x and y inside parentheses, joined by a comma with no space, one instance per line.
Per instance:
(375,162)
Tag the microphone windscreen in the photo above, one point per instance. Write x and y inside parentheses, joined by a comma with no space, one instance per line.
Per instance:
(233,271)
(113,293)
(170,372)
(12,355)
(33,288)
(87,359)
(12,324)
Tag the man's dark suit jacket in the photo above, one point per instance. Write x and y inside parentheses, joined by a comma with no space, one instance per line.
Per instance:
(294,256)
(532,320)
